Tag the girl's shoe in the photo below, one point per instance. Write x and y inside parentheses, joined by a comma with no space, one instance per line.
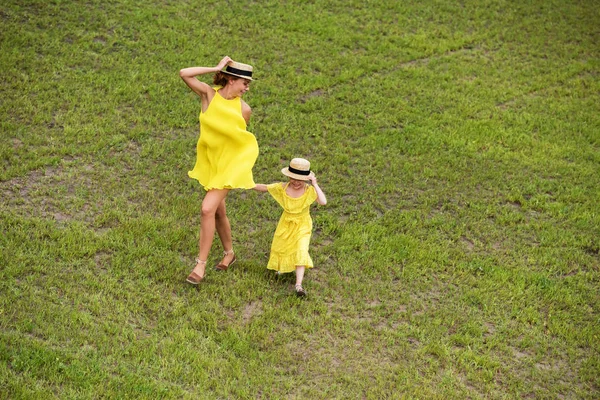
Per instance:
(300,292)
(223,267)
(193,277)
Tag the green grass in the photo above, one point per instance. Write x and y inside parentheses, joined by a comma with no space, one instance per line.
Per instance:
(458,256)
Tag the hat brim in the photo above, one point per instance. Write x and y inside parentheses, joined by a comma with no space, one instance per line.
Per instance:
(239,76)
(287,172)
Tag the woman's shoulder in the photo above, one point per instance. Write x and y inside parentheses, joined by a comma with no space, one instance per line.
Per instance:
(246,111)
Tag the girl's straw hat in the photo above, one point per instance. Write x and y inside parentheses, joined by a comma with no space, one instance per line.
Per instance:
(299,169)
(238,69)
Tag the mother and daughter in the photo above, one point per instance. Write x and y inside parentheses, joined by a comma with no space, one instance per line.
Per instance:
(225,155)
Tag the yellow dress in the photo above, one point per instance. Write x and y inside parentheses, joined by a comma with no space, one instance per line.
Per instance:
(292,236)
(226,151)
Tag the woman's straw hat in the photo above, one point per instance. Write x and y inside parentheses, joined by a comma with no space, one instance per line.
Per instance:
(299,169)
(238,69)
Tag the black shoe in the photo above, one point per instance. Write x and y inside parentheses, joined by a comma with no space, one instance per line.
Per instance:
(300,292)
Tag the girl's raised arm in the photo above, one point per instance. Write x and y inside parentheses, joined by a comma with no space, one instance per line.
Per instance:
(321,199)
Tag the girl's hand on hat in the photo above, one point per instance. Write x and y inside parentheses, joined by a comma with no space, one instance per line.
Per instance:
(226,60)
(313,179)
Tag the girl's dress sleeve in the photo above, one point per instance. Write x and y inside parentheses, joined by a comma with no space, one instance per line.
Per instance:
(311,196)
(276,191)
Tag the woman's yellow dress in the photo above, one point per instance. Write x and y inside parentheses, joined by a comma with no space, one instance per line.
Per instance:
(226,151)
(292,236)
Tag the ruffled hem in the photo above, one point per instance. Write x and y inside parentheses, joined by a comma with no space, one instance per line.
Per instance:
(285,264)
(207,188)
(247,185)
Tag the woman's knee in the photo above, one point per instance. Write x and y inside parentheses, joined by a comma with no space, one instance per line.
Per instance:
(214,203)
(208,211)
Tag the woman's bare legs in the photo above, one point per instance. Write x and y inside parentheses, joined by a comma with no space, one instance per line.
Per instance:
(210,204)
(224,231)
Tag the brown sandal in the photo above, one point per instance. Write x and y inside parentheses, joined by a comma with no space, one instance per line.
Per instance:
(223,267)
(193,277)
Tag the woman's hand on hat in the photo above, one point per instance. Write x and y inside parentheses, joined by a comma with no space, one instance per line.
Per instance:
(223,63)
(313,179)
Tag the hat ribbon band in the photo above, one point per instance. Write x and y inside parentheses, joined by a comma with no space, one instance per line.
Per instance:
(238,71)
(298,171)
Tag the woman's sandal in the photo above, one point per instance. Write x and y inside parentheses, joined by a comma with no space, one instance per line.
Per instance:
(300,292)
(193,277)
(223,267)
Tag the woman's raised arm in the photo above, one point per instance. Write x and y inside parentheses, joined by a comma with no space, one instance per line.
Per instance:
(189,76)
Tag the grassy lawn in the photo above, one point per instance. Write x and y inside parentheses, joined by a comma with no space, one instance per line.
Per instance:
(458,257)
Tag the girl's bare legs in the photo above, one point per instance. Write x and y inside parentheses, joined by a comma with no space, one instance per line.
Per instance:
(299,276)
(210,204)
(224,231)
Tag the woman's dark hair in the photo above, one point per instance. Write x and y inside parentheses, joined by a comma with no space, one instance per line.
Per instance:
(221,79)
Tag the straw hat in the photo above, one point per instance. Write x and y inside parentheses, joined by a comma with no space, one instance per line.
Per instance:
(238,69)
(299,169)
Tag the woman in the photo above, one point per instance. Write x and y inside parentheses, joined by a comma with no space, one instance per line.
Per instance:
(226,152)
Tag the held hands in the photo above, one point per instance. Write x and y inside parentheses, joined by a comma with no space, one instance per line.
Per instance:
(223,62)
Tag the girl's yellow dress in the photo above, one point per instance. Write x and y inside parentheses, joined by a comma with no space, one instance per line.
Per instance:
(226,151)
(292,236)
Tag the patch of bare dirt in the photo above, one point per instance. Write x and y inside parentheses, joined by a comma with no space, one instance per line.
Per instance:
(251,310)
(76,190)
(468,243)
(314,93)
(46,194)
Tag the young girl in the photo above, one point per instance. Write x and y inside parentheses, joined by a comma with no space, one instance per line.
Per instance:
(289,250)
